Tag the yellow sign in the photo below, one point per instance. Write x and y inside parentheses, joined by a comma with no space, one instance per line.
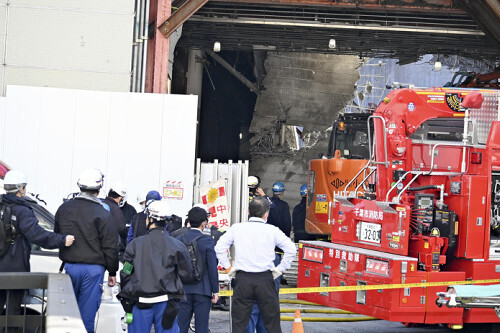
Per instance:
(321,207)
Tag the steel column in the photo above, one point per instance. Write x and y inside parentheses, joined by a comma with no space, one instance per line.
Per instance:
(158,47)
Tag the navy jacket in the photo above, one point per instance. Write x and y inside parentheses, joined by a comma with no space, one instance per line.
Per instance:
(17,259)
(279,216)
(128,212)
(299,222)
(299,216)
(96,238)
(210,283)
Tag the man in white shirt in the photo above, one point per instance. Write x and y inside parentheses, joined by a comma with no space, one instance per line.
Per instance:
(254,243)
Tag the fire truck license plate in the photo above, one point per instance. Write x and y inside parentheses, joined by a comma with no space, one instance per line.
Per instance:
(369,232)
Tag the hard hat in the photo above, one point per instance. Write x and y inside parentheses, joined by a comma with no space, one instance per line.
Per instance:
(303,190)
(13,181)
(253,181)
(142,196)
(153,195)
(278,187)
(204,207)
(2,190)
(90,180)
(119,189)
(159,210)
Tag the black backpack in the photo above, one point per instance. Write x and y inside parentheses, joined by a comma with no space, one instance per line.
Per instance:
(7,228)
(196,260)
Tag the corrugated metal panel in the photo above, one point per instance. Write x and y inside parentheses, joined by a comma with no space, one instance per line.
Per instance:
(43,77)
(68,44)
(116,6)
(3,17)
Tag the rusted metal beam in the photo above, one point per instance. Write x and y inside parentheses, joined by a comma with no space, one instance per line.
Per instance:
(158,47)
(447,6)
(180,16)
(252,86)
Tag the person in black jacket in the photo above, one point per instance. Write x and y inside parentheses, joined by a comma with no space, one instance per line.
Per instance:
(17,258)
(299,218)
(95,249)
(199,295)
(116,195)
(139,221)
(151,277)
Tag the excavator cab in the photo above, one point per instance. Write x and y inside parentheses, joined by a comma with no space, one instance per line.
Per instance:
(347,154)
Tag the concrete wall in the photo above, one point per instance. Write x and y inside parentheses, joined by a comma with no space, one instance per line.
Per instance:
(306,90)
(66,44)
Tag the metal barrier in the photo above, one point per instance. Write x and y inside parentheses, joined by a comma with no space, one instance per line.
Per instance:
(49,304)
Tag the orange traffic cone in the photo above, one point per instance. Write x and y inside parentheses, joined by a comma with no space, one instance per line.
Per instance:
(297,323)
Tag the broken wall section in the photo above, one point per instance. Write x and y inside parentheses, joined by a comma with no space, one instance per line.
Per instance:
(306,90)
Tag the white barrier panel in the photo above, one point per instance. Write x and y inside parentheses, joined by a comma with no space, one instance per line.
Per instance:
(235,176)
(144,141)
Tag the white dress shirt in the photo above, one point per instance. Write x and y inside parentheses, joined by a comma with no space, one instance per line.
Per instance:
(254,242)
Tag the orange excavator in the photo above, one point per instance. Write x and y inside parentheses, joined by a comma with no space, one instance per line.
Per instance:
(348,153)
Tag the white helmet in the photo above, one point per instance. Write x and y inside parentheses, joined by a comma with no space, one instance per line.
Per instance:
(204,207)
(142,196)
(119,189)
(159,210)
(13,181)
(2,191)
(253,181)
(90,180)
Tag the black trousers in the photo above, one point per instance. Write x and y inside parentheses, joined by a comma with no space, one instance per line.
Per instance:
(255,287)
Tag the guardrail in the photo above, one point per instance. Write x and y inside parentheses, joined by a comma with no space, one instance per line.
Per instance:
(49,303)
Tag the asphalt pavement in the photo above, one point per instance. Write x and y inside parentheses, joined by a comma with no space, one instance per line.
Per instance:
(220,323)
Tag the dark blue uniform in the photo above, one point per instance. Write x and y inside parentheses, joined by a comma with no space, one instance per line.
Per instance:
(199,295)
(279,216)
(299,222)
(17,259)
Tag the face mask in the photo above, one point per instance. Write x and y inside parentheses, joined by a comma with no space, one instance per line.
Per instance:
(143,206)
(121,203)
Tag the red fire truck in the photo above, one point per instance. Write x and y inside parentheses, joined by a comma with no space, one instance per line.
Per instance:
(428,213)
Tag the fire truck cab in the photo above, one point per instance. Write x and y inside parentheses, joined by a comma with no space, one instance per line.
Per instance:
(429,211)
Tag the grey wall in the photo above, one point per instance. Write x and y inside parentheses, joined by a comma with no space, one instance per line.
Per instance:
(306,90)
(66,44)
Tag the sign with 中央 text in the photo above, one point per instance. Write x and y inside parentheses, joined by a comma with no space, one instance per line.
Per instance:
(214,197)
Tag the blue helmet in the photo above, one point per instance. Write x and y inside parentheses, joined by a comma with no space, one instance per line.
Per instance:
(278,187)
(153,195)
(303,190)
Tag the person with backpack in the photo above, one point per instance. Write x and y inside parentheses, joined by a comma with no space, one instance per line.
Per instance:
(151,278)
(203,288)
(19,228)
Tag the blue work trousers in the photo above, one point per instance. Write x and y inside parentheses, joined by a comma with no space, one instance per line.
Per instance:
(256,324)
(143,319)
(87,283)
